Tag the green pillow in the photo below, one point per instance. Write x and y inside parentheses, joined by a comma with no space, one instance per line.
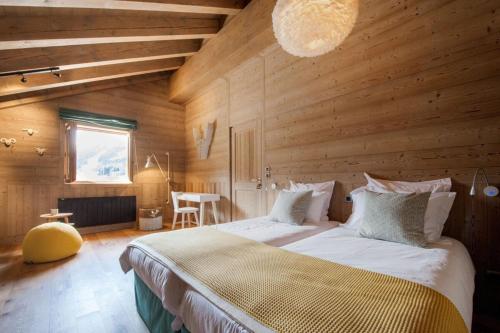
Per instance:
(291,207)
(395,217)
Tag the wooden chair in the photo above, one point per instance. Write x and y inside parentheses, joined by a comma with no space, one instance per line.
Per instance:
(183,211)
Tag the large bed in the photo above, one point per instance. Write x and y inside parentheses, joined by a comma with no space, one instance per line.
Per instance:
(444,266)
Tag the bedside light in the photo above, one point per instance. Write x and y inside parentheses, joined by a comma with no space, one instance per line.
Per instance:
(489,190)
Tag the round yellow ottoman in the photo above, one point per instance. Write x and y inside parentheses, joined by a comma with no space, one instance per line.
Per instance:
(50,242)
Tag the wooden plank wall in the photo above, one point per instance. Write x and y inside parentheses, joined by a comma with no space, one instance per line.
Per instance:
(30,185)
(412,94)
(212,174)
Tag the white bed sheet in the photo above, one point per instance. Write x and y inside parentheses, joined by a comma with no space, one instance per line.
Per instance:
(263,229)
(444,266)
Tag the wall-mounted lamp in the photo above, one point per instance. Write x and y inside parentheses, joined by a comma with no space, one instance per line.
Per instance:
(150,162)
(489,190)
(23,78)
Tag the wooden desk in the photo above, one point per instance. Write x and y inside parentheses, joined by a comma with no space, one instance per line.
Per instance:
(57,217)
(201,198)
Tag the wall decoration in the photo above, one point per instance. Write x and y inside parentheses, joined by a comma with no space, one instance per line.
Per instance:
(309,28)
(40,151)
(8,142)
(203,138)
(30,131)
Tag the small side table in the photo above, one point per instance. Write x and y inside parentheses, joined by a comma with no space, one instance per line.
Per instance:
(56,217)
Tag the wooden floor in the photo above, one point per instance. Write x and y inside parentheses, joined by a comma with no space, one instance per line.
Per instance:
(86,293)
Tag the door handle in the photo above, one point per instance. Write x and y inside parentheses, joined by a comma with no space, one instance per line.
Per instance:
(258,181)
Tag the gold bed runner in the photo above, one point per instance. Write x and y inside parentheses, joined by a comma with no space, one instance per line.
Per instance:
(289,292)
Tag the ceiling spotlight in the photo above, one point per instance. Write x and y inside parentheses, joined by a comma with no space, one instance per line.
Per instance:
(24,79)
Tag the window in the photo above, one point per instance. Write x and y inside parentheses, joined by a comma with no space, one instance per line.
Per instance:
(97,154)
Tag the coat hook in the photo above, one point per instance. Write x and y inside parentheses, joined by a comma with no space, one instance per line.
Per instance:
(40,151)
(8,142)
(30,131)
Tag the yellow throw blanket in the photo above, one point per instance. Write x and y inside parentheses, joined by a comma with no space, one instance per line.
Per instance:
(271,289)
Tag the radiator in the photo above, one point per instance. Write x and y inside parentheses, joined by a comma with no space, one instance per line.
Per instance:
(99,211)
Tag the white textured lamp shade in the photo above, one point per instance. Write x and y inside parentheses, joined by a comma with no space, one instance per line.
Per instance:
(309,28)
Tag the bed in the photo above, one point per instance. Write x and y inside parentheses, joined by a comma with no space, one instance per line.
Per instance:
(444,266)
(160,286)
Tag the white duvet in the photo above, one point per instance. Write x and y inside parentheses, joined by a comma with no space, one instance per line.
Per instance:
(444,266)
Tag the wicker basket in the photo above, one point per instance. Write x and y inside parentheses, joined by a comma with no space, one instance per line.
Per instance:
(150,218)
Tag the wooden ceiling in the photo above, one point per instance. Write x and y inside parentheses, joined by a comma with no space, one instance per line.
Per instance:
(92,41)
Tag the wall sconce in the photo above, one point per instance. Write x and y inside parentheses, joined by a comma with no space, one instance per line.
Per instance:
(489,190)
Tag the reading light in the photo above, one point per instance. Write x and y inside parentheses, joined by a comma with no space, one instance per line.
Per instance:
(56,74)
(150,163)
(489,190)
(23,78)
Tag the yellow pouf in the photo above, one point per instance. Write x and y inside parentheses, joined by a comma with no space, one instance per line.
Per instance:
(50,242)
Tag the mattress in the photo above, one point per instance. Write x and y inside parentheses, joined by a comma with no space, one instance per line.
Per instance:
(444,266)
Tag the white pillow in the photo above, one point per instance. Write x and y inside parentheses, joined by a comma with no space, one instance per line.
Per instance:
(383,186)
(358,202)
(317,187)
(436,214)
(438,210)
(315,209)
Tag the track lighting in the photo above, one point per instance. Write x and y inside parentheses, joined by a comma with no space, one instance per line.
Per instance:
(53,70)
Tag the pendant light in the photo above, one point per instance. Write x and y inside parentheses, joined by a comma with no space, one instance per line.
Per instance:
(310,28)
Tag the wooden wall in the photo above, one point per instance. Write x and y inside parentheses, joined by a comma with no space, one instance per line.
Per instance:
(30,185)
(412,94)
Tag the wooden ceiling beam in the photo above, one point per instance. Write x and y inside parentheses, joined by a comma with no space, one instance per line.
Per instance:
(12,85)
(239,40)
(157,6)
(43,95)
(126,61)
(44,29)
(88,55)
(28,44)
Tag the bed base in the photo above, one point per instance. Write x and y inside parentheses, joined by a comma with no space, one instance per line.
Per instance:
(149,307)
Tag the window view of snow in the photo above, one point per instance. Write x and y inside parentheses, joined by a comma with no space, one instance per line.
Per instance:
(101,156)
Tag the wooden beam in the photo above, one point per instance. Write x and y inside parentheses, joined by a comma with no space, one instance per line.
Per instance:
(239,40)
(42,95)
(39,24)
(27,44)
(125,61)
(12,85)
(82,56)
(124,5)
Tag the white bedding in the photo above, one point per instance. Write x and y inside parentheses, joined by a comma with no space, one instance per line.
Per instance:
(262,229)
(445,266)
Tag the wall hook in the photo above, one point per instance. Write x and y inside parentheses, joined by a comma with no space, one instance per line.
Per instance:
(8,142)
(40,151)
(30,131)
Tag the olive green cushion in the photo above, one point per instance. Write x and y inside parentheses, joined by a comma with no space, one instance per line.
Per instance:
(395,217)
